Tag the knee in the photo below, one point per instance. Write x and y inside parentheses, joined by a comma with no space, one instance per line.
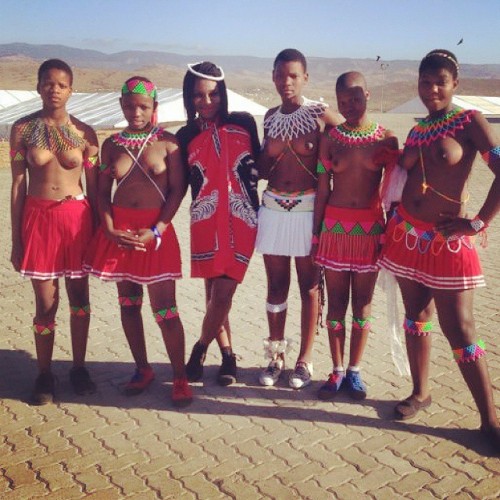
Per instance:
(309,293)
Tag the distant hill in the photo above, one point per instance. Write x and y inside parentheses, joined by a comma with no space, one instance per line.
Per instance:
(250,76)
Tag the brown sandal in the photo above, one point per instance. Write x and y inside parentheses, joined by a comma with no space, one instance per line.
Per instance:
(409,407)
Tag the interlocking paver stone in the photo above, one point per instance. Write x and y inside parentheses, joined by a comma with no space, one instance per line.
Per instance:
(243,441)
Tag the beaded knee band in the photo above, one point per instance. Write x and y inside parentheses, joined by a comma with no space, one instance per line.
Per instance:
(418,328)
(132,300)
(361,324)
(79,310)
(335,325)
(276,308)
(470,353)
(166,314)
(44,329)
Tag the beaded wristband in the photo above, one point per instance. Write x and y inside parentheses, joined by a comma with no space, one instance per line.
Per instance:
(477,224)
(157,234)
(315,239)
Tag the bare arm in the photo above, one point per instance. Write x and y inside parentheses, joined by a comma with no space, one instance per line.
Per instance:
(323,191)
(91,172)
(19,187)
(483,139)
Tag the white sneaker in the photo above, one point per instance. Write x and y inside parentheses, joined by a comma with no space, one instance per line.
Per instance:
(301,375)
(272,373)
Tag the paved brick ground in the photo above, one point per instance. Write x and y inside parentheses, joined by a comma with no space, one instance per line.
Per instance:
(245,441)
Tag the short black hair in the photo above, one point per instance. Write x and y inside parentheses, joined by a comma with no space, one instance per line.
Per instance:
(55,64)
(439,59)
(210,69)
(291,55)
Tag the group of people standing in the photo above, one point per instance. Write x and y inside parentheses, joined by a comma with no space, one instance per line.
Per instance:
(322,206)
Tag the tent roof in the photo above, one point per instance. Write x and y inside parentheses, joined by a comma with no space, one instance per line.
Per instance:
(489,106)
(101,110)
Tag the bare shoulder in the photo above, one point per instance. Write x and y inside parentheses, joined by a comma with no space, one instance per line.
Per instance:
(332,118)
(270,112)
(390,139)
(87,131)
(170,140)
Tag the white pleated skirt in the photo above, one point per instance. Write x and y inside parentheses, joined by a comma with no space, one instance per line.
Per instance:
(286,228)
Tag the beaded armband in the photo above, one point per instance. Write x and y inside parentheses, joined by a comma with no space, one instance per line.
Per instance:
(18,154)
(91,161)
(491,156)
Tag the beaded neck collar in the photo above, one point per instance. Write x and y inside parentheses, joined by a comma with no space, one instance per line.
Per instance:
(135,140)
(292,125)
(357,136)
(55,138)
(429,130)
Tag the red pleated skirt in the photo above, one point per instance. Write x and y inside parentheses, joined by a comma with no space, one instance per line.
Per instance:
(108,262)
(350,239)
(414,250)
(56,235)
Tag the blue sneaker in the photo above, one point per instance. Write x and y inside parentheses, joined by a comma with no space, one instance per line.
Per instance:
(332,386)
(354,385)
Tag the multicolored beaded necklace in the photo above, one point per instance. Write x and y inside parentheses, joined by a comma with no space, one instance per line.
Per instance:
(429,130)
(357,136)
(135,140)
(55,138)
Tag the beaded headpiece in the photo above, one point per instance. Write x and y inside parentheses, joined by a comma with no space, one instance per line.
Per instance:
(443,55)
(203,75)
(139,86)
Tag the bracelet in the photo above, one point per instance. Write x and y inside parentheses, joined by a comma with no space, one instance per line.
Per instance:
(477,224)
(157,235)
(315,239)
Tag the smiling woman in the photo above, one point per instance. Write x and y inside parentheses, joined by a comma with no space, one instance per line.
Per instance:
(219,150)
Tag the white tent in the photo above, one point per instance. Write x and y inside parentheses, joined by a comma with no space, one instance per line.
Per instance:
(489,106)
(12,97)
(102,110)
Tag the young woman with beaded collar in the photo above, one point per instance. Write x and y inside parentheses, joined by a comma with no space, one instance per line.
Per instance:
(288,162)
(349,226)
(429,246)
(52,220)
(219,150)
(136,244)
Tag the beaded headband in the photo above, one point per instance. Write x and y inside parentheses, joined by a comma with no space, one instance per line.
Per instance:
(206,77)
(443,55)
(138,86)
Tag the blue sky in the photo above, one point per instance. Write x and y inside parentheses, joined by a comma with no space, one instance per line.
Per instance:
(393,29)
